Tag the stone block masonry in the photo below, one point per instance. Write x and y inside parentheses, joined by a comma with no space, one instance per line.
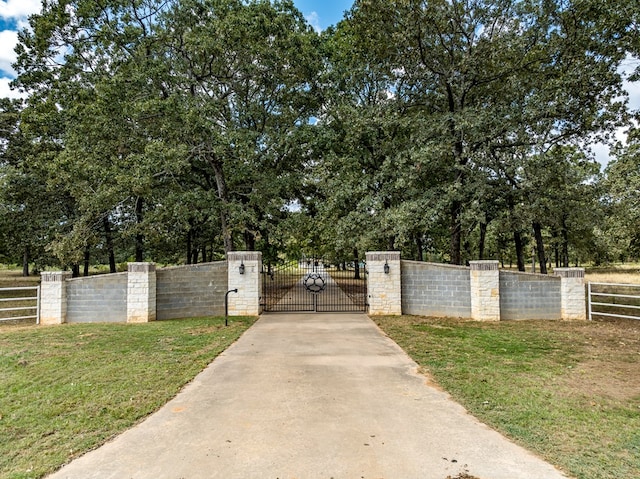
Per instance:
(53,302)
(485,290)
(573,294)
(434,289)
(141,293)
(245,275)
(191,291)
(384,288)
(480,292)
(484,293)
(529,296)
(94,299)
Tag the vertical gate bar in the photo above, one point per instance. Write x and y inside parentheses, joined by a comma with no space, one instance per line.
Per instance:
(38,305)
(589,305)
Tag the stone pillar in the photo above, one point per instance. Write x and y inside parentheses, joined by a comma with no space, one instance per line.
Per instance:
(246,302)
(572,294)
(384,290)
(485,290)
(141,293)
(53,297)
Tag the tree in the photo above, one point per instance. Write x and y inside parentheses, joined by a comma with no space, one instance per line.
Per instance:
(30,211)
(623,185)
(245,76)
(492,75)
(157,99)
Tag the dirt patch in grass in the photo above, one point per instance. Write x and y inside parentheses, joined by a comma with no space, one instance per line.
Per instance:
(569,391)
(612,355)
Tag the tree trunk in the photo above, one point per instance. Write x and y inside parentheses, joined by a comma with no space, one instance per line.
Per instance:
(517,239)
(26,257)
(139,235)
(87,258)
(249,240)
(460,162)
(109,239)
(565,243)
(420,256)
(356,263)
(537,231)
(75,271)
(483,236)
(456,233)
(189,245)
(223,195)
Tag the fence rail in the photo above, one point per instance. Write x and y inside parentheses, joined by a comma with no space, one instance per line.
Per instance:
(614,300)
(19,304)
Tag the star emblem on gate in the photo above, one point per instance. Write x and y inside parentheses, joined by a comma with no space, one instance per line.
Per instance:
(314,283)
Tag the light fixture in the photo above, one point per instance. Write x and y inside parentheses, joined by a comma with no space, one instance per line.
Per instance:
(386,267)
(241,269)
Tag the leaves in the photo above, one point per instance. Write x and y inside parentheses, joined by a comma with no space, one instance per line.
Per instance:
(444,128)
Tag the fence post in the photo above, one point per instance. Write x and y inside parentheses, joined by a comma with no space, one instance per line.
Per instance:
(572,293)
(141,292)
(485,290)
(384,283)
(244,274)
(53,294)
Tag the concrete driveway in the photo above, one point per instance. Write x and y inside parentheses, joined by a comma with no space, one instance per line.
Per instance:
(311,396)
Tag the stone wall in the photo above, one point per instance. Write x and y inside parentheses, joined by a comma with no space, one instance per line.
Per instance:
(529,296)
(384,284)
(244,275)
(435,290)
(96,299)
(485,293)
(191,291)
(53,297)
(573,293)
(481,292)
(142,294)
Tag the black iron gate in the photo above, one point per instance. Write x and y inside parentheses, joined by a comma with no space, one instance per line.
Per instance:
(314,285)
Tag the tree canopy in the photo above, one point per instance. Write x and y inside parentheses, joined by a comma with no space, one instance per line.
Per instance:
(452,130)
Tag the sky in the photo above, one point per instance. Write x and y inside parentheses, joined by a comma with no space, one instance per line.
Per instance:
(319,13)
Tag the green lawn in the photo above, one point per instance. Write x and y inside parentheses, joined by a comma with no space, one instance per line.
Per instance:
(569,391)
(66,389)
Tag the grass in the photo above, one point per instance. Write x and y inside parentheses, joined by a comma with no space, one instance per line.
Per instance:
(568,391)
(67,389)
(618,273)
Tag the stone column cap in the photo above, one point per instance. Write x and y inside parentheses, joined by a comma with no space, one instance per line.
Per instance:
(569,272)
(484,265)
(55,276)
(141,267)
(244,256)
(383,255)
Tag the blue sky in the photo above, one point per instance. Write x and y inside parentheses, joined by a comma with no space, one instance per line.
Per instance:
(323,13)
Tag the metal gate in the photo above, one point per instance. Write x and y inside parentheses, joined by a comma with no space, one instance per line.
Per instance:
(314,285)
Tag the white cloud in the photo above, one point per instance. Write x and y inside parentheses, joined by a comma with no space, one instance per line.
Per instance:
(8,41)
(17,12)
(6,92)
(314,20)
(19,9)
(633,88)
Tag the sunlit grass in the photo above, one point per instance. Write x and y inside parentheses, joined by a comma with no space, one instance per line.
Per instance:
(567,391)
(66,389)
